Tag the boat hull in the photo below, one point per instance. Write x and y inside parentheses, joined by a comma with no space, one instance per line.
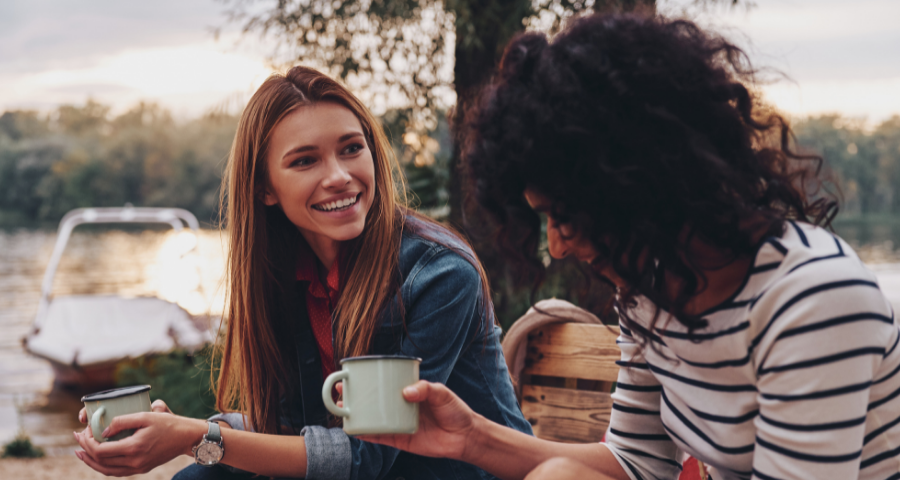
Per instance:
(85,377)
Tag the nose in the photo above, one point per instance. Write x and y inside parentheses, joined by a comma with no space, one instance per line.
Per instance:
(557,245)
(336,174)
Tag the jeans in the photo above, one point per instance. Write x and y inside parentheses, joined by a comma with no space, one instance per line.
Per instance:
(215,472)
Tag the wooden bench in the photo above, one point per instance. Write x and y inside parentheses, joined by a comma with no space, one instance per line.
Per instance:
(570,370)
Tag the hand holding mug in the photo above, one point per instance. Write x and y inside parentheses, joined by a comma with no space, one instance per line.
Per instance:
(126,434)
(446,424)
(159,437)
(372,394)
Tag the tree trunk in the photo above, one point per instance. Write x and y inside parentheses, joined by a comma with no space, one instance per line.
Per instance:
(483,27)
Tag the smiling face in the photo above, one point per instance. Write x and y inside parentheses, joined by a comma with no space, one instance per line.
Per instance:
(563,239)
(321,174)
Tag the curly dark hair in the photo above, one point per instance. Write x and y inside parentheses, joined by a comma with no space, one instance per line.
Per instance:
(644,134)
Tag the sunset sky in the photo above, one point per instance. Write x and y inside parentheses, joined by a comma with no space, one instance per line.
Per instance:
(838,55)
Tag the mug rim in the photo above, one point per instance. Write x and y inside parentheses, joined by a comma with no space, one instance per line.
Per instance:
(115,393)
(378,357)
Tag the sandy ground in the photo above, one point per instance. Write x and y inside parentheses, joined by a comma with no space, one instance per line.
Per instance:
(71,468)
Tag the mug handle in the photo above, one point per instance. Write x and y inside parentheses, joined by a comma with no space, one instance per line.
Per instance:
(95,423)
(326,393)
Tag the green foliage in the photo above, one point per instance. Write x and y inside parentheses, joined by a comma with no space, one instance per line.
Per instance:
(22,124)
(865,164)
(409,52)
(80,156)
(21,447)
(425,160)
(179,379)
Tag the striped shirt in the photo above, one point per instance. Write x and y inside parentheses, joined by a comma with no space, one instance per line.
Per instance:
(796,376)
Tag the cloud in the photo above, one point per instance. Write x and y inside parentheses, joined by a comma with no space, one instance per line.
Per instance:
(188,79)
(813,39)
(842,55)
(839,56)
(40,34)
(874,99)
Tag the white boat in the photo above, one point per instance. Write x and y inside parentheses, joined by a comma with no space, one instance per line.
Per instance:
(85,336)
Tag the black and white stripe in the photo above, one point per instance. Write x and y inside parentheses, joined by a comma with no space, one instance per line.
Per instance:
(796,376)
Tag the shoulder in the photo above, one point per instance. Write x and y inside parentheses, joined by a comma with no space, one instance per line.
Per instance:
(429,251)
(808,256)
(819,283)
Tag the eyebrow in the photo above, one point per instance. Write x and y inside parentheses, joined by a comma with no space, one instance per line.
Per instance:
(306,148)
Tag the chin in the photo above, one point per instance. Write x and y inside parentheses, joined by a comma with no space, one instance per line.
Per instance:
(345,233)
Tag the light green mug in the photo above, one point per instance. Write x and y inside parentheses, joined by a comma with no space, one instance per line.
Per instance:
(104,406)
(373,394)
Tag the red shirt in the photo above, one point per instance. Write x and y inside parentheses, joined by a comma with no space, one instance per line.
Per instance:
(320,303)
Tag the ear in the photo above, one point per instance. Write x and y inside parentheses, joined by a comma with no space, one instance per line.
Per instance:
(268,198)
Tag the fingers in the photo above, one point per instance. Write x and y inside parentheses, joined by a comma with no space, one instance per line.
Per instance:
(416,392)
(86,441)
(125,422)
(340,387)
(159,406)
(110,471)
(102,452)
(434,393)
(82,415)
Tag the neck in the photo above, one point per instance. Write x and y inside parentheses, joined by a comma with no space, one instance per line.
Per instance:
(326,249)
(724,273)
(721,284)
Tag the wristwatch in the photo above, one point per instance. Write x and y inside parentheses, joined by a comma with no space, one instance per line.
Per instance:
(211,450)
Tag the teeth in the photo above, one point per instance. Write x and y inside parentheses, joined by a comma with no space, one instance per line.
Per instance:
(338,204)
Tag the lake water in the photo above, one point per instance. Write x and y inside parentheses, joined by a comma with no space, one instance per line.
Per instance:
(158,263)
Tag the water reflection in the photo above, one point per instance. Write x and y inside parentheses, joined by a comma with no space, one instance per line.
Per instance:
(154,263)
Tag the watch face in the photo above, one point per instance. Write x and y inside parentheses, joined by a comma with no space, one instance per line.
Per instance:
(209,453)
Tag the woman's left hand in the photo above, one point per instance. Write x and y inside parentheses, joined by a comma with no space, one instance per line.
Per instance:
(159,437)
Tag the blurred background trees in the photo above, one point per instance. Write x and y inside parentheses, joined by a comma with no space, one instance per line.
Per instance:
(421,57)
(82,156)
(417,63)
(425,61)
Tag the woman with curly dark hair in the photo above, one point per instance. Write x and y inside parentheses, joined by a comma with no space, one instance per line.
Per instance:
(752,337)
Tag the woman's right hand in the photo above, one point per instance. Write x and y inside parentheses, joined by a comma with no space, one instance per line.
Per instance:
(157,406)
(446,424)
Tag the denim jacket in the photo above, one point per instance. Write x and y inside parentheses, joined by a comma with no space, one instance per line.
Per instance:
(441,293)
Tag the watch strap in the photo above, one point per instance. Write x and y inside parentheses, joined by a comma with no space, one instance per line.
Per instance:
(214,434)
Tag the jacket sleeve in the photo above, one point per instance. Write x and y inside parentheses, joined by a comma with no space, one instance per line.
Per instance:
(443,312)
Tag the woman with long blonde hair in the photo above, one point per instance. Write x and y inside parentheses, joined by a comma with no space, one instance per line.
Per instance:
(325,262)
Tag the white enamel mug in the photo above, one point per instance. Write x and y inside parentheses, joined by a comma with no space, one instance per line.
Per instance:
(103,407)
(373,394)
